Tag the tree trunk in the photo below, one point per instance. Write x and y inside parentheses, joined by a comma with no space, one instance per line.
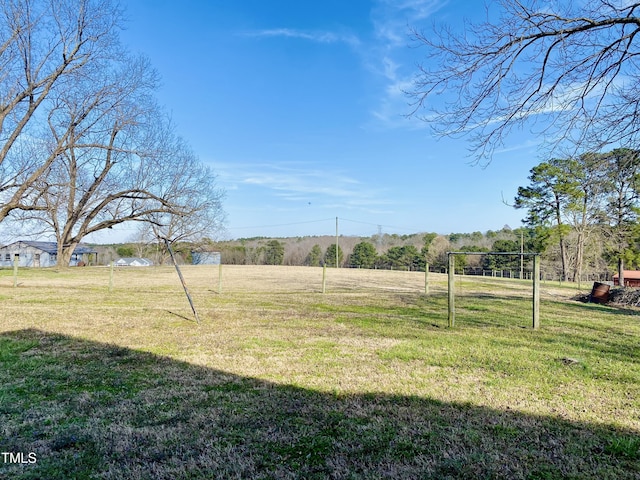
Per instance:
(582,234)
(64,254)
(563,257)
(577,271)
(621,271)
(563,247)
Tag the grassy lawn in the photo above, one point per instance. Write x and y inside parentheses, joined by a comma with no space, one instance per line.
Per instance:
(281,381)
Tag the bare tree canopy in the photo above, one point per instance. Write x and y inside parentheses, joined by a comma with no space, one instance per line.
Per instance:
(196,201)
(44,44)
(567,70)
(120,161)
(83,144)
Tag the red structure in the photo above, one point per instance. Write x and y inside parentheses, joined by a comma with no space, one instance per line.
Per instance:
(631,278)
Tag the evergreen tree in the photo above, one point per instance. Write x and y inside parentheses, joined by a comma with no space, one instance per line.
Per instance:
(553,187)
(315,256)
(274,253)
(364,255)
(503,262)
(406,256)
(330,255)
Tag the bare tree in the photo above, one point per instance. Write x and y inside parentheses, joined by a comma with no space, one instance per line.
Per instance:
(570,67)
(120,161)
(44,46)
(195,201)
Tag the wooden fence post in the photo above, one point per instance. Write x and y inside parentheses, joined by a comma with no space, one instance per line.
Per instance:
(536,292)
(111,277)
(324,278)
(426,278)
(452,308)
(16,260)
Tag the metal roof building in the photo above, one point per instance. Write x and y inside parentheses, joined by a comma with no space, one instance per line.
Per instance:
(42,254)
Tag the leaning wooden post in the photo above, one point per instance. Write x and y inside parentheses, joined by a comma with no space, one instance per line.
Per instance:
(426,278)
(452,308)
(16,259)
(536,292)
(184,285)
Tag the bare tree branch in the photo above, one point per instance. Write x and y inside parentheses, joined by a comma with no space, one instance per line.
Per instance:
(83,145)
(43,45)
(566,70)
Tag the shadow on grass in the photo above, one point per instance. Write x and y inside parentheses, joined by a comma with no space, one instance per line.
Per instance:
(91,410)
(181,316)
(609,308)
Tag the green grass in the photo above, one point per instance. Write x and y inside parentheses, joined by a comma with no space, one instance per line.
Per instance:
(284,382)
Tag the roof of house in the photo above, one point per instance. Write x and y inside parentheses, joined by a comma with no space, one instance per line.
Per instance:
(132,260)
(52,247)
(630,275)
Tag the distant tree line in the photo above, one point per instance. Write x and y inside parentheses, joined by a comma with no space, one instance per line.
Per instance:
(397,252)
(413,252)
(581,215)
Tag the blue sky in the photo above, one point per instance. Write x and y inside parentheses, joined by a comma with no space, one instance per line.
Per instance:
(298,108)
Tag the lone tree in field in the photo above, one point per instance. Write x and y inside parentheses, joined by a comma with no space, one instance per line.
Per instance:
(570,67)
(551,189)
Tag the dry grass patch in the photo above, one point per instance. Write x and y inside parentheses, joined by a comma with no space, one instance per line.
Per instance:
(280,381)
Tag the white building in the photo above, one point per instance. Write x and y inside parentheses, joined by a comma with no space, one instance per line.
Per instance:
(133,262)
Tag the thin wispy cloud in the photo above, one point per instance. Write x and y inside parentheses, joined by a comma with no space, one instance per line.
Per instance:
(384,53)
(566,99)
(392,59)
(526,145)
(302,182)
(328,37)
(392,18)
